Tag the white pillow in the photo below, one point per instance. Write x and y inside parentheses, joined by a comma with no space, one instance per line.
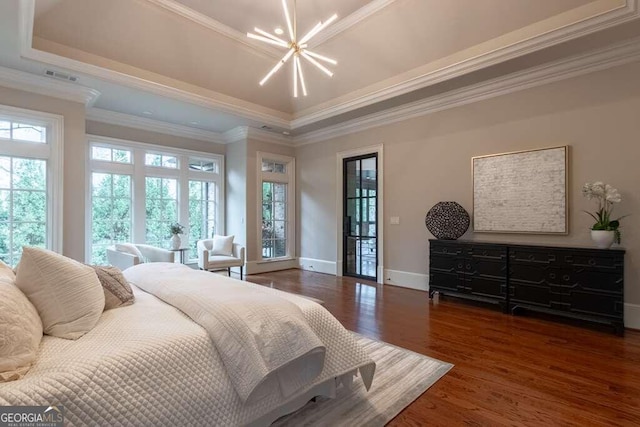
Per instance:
(222,245)
(66,293)
(130,248)
(20,332)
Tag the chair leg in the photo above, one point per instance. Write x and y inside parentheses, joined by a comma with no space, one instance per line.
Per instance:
(241,272)
(229,271)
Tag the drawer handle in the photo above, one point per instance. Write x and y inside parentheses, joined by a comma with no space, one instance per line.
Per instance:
(592,261)
(566,278)
(468,266)
(484,253)
(552,275)
(460,265)
(531,257)
(444,250)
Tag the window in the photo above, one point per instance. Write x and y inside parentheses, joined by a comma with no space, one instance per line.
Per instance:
(161,160)
(111,212)
(276,188)
(161,208)
(202,211)
(30,213)
(139,190)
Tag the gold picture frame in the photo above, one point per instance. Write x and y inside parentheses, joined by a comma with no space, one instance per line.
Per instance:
(524,192)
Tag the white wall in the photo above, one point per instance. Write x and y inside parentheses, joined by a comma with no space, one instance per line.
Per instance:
(428,159)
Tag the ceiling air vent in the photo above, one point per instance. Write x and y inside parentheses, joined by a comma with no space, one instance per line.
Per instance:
(265,127)
(61,76)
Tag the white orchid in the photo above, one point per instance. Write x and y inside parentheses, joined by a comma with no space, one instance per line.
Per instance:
(606,195)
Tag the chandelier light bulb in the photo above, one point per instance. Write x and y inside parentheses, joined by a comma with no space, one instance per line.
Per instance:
(297,48)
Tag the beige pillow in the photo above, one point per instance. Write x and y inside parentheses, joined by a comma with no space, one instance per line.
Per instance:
(66,293)
(6,272)
(20,332)
(117,291)
(222,245)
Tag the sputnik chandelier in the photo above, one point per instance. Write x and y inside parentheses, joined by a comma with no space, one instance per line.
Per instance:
(297,48)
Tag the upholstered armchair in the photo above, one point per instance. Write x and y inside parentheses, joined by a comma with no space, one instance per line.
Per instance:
(209,260)
(125,255)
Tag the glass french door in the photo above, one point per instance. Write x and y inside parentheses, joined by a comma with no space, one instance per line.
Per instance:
(360,228)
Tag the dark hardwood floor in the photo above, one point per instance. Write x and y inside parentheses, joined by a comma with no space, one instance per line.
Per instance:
(508,370)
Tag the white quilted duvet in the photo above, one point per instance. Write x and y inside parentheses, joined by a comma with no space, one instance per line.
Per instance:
(148,364)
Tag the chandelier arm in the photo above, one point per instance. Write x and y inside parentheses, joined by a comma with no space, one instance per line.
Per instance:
(304,87)
(288,18)
(312,32)
(295,76)
(316,63)
(323,25)
(322,58)
(266,40)
(280,63)
(271,36)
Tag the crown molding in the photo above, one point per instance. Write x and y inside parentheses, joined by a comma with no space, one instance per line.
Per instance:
(143,123)
(620,54)
(581,28)
(217,26)
(349,21)
(47,86)
(243,133)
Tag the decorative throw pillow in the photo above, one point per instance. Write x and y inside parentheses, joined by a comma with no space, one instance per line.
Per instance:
(130,248)
(117,291)
(66,293)
(7,273)
(222,245)
(20,332)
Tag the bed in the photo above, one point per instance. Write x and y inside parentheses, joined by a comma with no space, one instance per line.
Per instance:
(151,364)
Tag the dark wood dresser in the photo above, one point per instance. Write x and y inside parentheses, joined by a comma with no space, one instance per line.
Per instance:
(585,284)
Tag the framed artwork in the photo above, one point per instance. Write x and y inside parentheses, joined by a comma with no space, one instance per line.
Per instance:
(521,192)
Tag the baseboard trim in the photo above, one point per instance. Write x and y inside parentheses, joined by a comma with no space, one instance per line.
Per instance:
(317,265)
(632,316)
(407,280)
(257,267)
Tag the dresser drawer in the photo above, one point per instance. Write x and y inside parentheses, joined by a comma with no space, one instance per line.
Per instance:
(532,256)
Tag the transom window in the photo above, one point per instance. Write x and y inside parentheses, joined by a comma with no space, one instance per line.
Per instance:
(108,154)
(22,131)
(161,160)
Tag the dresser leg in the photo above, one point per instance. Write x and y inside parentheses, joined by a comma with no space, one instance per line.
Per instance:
(618,327)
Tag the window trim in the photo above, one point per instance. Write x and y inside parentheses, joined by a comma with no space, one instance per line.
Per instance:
(53,152)
(289,178)
(138,168)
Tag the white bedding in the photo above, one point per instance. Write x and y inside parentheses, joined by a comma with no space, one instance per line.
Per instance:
(264,341)
(148,364)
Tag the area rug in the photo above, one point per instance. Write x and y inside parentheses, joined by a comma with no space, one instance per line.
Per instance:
(401,377)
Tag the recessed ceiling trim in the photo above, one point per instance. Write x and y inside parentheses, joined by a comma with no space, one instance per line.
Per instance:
(28,82)
(212,24)
(242,133)
(143,123)
(349,21)
(619,54)
(578,29)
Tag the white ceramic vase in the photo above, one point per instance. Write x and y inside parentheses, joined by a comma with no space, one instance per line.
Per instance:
(176,241)
(603,238)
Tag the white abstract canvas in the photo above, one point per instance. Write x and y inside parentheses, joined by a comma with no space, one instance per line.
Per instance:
(522,192)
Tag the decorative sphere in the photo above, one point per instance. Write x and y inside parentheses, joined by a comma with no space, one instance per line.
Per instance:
(447,220)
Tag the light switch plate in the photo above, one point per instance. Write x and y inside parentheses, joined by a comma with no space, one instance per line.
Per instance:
(395,220)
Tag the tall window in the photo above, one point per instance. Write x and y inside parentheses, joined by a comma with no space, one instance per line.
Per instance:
(111,212)
(161,208)
(164,185)
(276,187)
(30,177)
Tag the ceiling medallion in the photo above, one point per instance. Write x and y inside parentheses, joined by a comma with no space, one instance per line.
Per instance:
(297,48)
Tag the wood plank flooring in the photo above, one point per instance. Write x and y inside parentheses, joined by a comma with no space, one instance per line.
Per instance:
(508,370)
